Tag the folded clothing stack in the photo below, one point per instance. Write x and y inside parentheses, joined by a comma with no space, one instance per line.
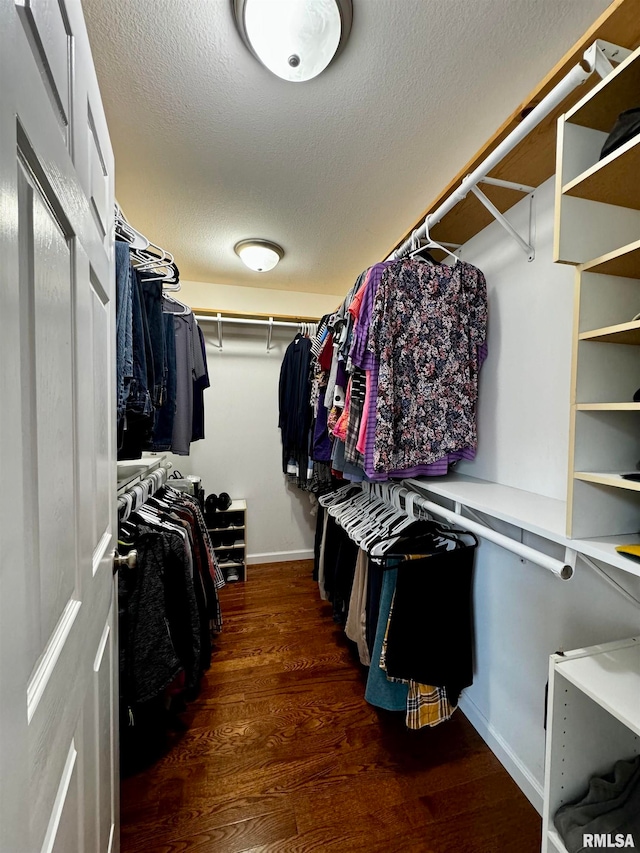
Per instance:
(610,807)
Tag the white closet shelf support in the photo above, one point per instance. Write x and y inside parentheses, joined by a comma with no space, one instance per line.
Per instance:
(563,570)
(596,59)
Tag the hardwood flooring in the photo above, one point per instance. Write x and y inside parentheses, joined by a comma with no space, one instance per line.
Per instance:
(283,755)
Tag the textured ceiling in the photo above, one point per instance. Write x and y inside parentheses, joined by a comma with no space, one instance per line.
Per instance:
(211,148)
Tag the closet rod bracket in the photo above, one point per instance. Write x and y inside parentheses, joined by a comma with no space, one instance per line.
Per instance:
(219,319)
(508,227)
(600,54)
(269,333)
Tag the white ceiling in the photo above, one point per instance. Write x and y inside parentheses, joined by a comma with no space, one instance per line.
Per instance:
(211,148)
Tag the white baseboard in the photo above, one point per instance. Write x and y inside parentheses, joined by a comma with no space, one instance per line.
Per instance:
(523,778)
(279,556)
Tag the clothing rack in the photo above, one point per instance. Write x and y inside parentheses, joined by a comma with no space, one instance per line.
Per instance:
(306,327)
(596,59)
(135,495)
(414,504)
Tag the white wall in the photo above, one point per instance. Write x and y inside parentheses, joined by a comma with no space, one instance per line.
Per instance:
(241,453)
(522,612)
(258,300)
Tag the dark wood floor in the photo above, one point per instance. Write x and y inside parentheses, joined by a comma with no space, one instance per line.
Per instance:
(282,753)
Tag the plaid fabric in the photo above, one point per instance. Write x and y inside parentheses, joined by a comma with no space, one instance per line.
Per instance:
(426,705)
(358,391)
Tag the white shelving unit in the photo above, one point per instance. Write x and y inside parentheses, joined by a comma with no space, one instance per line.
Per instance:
(598,216)
(229,537)
(597,201)
(593,720)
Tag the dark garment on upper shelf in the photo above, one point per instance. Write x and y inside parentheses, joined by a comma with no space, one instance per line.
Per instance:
(151,291)
(430,630)
(164,416)
(626,127)
(610,806)
(199,385)
(139,399)
(294,393)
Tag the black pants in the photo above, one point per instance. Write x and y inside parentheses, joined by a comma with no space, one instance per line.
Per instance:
(430,632)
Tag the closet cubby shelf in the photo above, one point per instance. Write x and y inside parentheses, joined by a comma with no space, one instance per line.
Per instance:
(606,478)
(537,514)
(613,180)
(236,545)
(622,333)
(624,262)
(610,675)
(236,506)
(608,407)
(231,528)
(593,720)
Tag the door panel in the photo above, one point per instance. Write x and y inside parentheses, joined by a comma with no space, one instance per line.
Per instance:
(58,630)
(47,29)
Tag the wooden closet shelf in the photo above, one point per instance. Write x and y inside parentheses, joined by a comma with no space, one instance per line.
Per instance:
(237,546)
(622,333)
(614,180)
(623,262)
(608,407)
(230,528)
(608,478)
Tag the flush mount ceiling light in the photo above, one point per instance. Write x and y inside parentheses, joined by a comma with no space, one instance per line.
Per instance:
(295,39)
(259,255)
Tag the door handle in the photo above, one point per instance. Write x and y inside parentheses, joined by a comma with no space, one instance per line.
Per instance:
(129,560)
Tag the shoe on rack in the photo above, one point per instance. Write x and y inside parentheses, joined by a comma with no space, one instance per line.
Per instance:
(232,574)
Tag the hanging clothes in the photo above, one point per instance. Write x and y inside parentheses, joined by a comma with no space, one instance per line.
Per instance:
(168,609)
(427,325)
(161,370)
(294,408)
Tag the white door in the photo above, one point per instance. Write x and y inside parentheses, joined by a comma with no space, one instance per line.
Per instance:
(58,645)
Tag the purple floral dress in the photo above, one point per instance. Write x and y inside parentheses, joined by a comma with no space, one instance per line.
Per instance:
(427,324)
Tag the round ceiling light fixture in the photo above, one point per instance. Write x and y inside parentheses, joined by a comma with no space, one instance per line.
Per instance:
(259,255)
(295,39)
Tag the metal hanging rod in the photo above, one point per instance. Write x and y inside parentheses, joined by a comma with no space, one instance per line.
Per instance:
(562,570)
(300,325)
(596,59)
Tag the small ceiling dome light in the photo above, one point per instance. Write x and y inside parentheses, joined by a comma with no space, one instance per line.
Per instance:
(259,255)
(295,39)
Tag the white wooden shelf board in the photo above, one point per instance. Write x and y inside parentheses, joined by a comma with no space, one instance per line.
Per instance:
(227,565)
(539,514)
(608,407)
(236,506)
(230,529)
(235,547)
(612,180)
(555,842)
(622,262)
(622,333)
(611,678)
(603,549)
(133,471)
(608,478)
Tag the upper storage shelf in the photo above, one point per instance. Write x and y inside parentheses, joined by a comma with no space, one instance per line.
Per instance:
(598,200)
